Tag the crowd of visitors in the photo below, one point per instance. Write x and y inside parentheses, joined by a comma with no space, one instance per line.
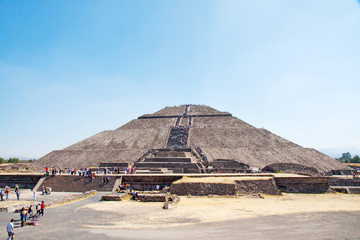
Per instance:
(27,217)
(44,191)
(178,136)
(6,191)
(90,172)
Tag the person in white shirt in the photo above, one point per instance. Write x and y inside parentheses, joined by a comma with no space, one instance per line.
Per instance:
(38,209)
(10,229)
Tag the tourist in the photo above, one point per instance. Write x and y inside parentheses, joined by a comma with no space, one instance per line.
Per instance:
(7,191)
(23,216)
(91,177)
(38,209)
(30,211)
(10,229)
(18,194)
(42,208)
(43,190)
(2,195)
(34,196)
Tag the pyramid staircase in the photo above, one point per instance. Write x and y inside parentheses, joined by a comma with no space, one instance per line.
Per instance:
(170,161)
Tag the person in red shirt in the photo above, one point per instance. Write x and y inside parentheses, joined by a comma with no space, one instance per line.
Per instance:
(42,208)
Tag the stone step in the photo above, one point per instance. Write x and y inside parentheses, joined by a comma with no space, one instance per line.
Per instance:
(165,165)
(39,183)
(167,159)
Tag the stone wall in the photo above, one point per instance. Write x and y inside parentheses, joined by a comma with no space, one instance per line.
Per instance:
(153,197)
(225,186)
(354,190)
(115,164)
(166,165)
(344,182)
(68,183)
(342,172)
(169,154)
(303,184)
(265,186)
(202,189)
(168,160)
(150,182)
(23,181)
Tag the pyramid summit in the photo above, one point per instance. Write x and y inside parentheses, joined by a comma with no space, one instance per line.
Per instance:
(188,139)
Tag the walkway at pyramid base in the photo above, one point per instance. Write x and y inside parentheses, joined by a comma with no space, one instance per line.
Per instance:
(228,143)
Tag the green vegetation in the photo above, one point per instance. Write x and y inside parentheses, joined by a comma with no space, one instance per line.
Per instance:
(15,160)
(346,158)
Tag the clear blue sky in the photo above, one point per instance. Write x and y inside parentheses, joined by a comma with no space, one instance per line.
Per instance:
(70,69)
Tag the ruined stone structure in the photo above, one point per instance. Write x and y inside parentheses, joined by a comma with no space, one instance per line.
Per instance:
(189,139)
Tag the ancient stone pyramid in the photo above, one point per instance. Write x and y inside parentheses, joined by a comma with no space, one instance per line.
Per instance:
(218,134)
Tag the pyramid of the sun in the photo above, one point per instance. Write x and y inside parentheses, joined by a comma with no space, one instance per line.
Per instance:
(219,134)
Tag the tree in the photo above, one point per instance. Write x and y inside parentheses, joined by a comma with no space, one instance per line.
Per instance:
(355,159)
(2,160)
(345,156)
(13,160)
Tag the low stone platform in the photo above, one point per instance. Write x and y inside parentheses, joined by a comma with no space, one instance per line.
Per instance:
(114,197)
(346,189)
(224,186)
(157,197)
(303,184)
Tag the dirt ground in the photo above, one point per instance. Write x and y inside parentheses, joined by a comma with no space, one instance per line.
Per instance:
(292,216)
(204,209)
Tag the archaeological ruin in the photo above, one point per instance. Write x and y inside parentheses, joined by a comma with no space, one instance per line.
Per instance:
(183,148)
(190,139)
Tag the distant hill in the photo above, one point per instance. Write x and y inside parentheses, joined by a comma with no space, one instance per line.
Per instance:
(337,152)
(6,157)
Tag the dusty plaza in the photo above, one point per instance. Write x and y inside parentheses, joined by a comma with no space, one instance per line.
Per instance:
(186,171)
(291,216)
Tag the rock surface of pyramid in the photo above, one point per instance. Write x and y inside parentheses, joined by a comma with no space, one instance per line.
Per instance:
(218,134)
